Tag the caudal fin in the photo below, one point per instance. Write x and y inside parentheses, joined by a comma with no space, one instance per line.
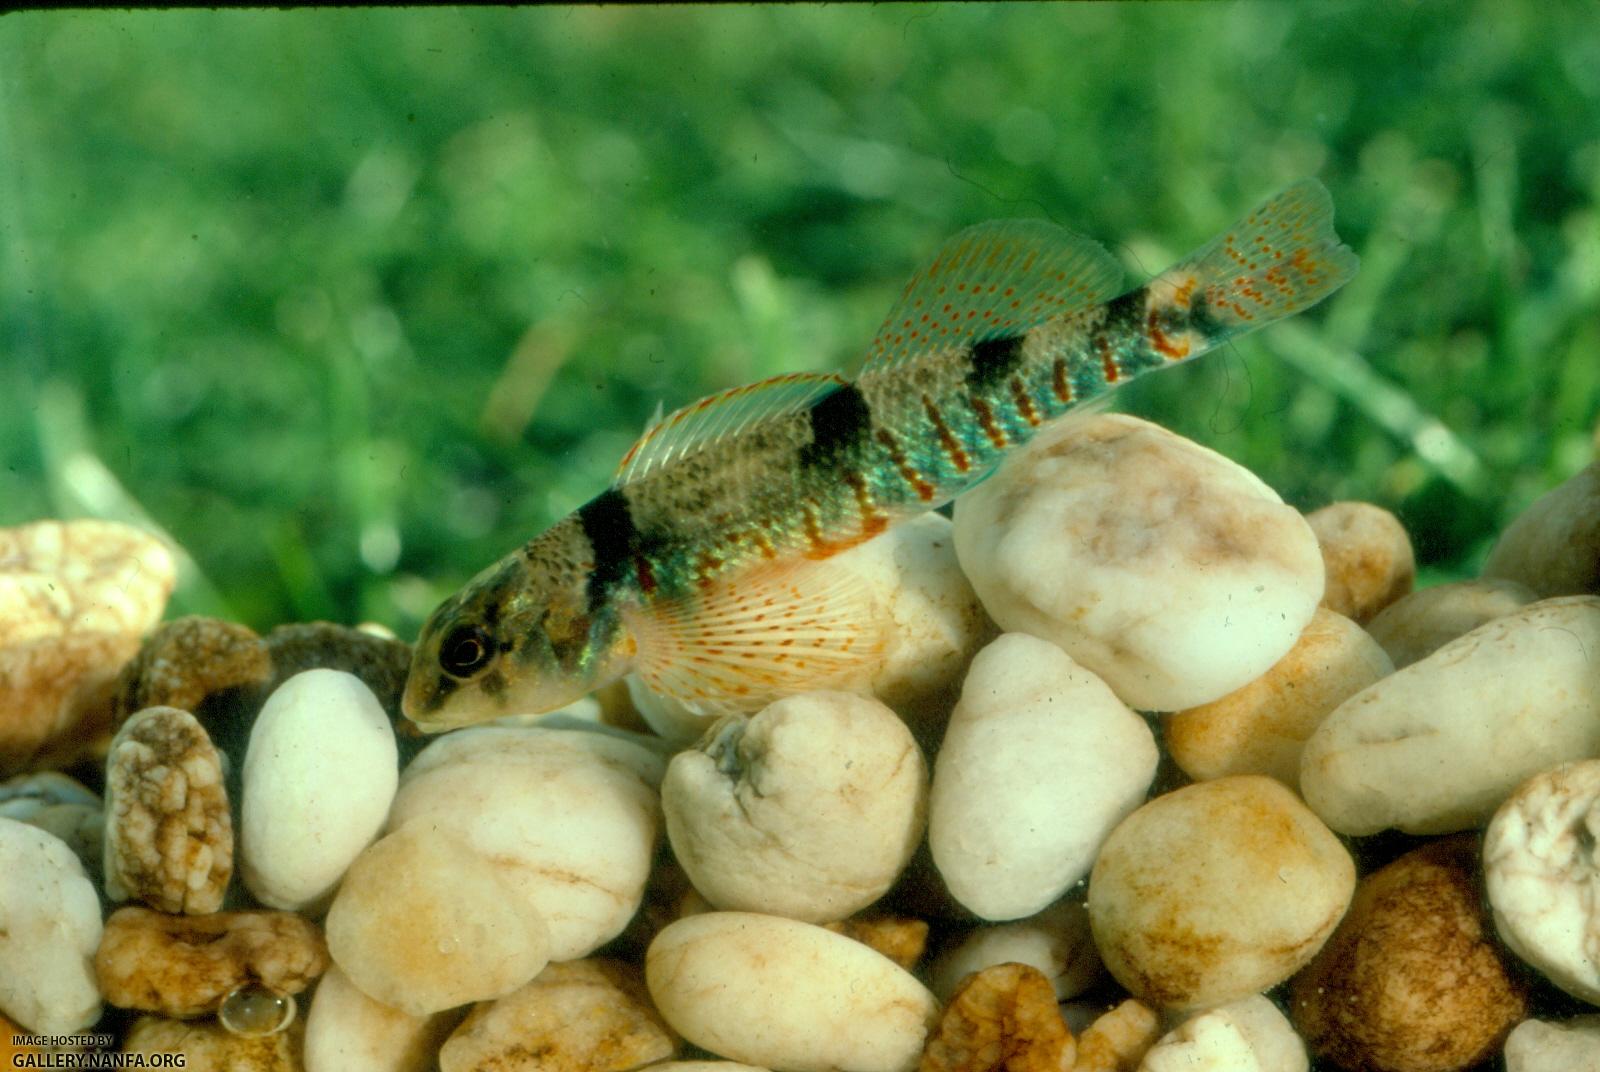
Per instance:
(1278,260)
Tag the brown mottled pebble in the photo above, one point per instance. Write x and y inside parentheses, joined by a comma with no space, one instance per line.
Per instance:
(1411,981)
(578,1016)
(168,833)
(1366,556)
(1118,1040)
(188,660)
(206,1047)
(901,940)
(186,965)
(1003,1017)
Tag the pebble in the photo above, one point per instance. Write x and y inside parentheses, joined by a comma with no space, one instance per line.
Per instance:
(346,1031)
(61,806)
(899,938)
(319,774)
(75,597)
(168,832)
(186,661)
(423,923)
(787,995)
(1436,747)
(1539,1046)
(1262,728)
(810,809)
(1169,571)
(1248,1035)
(1056,941)
(1415,627)
(1039,762)
(567,818)
(1006,1009)
(581,1016)
(206,1046)
(381,662)
(1554,546)
(1411,981)
(49,928)
(1366,555)
(185,966)
(1216,891)
(1540,873)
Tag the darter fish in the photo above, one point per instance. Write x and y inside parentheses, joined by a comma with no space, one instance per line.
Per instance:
(697,569)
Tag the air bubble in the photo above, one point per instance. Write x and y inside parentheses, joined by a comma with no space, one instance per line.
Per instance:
(254,1011)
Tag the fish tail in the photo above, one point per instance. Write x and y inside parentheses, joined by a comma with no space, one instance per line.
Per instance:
(1280,259)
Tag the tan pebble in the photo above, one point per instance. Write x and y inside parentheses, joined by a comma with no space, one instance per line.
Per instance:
(1411,981)
(168,831)
(54,692)
(1261,728)
(901,940)
(1118,1041)
(346,1031)
(1541,1046)
(1216,891)
(468,936)
(1554,546)
(787,995)
(1366,556)
(580,1016)
(206,1047)
(1415,627)
(74,599)
(188,659)
(186,965)
(1003,1017)
(704,1066)
(58,577)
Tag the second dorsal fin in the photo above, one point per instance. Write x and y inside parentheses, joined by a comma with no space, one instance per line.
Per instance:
(719,418)
(994,279)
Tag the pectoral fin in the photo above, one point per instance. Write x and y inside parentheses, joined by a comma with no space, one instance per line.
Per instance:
(739,643)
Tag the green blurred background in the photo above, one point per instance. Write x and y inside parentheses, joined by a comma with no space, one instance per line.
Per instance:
(351,302)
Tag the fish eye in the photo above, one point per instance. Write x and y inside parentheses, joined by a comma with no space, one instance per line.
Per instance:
(466,650)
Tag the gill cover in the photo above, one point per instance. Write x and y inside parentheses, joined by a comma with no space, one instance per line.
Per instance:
(520,638)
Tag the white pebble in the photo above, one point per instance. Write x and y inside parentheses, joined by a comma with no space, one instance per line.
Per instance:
(569,819)
(1436,747)
(1539,1046)
(319,773)
(1039,762)
(49,930)
(1171,572)
(809,810)
(1540,873)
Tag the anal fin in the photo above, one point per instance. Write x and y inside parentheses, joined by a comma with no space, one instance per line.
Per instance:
(740,642)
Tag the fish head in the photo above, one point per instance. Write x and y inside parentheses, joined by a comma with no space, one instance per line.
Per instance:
(521,638)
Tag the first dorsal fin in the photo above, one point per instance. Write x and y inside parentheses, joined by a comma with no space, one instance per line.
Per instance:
(718,418)
(990,280)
